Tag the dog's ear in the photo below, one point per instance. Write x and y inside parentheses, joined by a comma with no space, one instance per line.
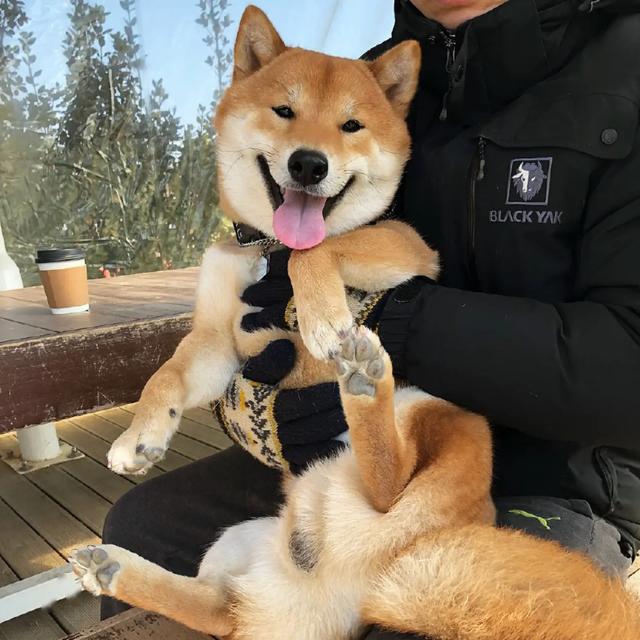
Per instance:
(257,43)
(397,72)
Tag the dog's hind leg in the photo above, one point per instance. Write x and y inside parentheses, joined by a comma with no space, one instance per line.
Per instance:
(411,445)
(367,391)
(116,572)
(200,369)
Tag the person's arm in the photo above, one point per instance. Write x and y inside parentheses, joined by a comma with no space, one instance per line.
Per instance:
(566,371)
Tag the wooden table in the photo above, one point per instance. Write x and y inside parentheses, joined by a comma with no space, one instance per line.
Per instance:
(54,367)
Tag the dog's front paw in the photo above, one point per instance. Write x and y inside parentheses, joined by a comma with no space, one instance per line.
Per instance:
(135,452)
(98,567)
(361,362)
(323,336)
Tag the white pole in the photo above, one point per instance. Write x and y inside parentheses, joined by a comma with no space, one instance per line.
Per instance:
(10,277)
(36,592)
(39,442)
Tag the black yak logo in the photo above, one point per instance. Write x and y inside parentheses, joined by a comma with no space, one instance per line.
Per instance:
(528,180)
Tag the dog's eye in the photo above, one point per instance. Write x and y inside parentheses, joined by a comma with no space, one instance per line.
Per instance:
(351,126)
(284,111)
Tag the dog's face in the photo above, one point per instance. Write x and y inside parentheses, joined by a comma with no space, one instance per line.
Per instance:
(311,145)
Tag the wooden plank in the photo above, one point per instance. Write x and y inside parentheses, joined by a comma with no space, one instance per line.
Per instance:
(11,331)
(109,430)
(39,315)
(135,308)
(207,433)
(94,447)
(179,443)
(178,294)
(58,527)
(63,375)
(139,625)
(6,575)
(22,548)
(37,625)
(104,482)
(203,433)
(83,503)
(134,305)
(205,417)
(174,281)
(78,613)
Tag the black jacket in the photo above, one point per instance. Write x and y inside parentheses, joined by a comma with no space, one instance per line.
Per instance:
(525,175)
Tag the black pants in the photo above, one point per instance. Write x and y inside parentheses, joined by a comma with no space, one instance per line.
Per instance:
(172,519)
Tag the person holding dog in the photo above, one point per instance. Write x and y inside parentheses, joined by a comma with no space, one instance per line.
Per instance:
(524,176)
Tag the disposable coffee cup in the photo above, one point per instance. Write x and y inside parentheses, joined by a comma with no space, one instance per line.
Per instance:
(63,273)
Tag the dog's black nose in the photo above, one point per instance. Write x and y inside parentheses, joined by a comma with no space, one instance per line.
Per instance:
(308,167)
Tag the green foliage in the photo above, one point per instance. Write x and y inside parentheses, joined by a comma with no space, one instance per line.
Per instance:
(214,19)
(96,163)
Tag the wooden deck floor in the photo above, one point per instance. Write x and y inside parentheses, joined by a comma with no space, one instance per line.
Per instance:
(46,514)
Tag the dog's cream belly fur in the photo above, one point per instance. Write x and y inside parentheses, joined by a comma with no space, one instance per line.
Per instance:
(275,598)
(350,545)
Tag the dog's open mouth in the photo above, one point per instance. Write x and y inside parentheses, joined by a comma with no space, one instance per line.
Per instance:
(298,217)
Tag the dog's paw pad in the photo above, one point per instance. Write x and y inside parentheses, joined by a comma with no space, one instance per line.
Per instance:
(361,362)
(365,347)
(134,453)
(360,385)
(99,555)
(376,366)
(106,574)
(151,453)
(123,457)
(348,350)
(82,557)
(96,568)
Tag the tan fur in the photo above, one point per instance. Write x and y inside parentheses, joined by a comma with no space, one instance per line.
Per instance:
(397,530)
(499,584)
(324,92)
(372,258)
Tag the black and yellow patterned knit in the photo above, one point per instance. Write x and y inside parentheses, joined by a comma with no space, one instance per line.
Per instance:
(248,410)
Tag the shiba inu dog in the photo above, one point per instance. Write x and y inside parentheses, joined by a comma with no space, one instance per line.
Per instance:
(397,530)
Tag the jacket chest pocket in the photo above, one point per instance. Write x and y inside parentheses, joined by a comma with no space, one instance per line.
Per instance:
(527,211)
(541,153)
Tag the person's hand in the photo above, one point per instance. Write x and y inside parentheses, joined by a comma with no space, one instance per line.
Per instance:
(272,294)
(284,428)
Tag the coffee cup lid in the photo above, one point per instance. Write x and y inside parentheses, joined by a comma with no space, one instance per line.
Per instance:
(59,255)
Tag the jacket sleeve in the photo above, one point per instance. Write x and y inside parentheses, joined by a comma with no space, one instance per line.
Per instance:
(568,371)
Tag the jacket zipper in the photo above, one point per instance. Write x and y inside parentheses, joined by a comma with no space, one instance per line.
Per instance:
(449,38)
(477,175)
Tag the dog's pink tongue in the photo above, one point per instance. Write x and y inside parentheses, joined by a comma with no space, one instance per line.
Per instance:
(298,222)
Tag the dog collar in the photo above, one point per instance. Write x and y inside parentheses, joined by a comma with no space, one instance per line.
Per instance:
(247,236)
